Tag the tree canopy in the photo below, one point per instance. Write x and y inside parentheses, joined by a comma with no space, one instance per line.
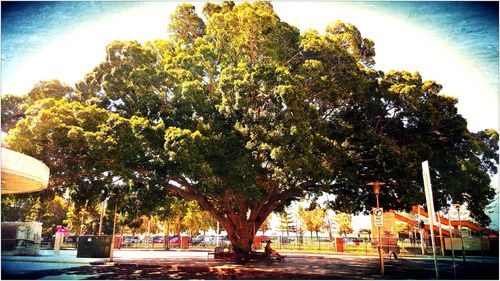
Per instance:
(242,113)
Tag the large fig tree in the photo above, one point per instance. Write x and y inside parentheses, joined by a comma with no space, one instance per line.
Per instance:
(242,113)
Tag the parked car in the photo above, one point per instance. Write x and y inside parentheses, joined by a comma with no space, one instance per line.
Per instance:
(158,239)
(211,240)
(176,239)
(136,240)
(208,240)
(127,239)
(197,240)
(71,239)
(352,241)
(46,239)
(264,238)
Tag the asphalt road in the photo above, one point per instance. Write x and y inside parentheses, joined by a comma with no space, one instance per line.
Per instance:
(295,267)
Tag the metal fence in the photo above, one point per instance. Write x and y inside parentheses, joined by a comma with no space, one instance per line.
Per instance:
(473,246)
(353,245)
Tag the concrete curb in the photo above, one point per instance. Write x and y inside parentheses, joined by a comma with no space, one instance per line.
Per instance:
(56,261)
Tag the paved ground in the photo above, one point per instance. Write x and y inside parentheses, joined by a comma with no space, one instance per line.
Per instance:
(196,265)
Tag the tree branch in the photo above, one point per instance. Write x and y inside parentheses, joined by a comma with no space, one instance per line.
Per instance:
(190,194)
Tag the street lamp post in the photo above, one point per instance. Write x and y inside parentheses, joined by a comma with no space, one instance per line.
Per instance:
(113,235)
(101,216)
(451,244)
(461,234)
(421,232)
(376,189)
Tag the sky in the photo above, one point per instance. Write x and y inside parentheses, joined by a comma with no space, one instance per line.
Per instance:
(453,43)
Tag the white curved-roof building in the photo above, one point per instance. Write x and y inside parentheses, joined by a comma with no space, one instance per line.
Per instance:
(22,173)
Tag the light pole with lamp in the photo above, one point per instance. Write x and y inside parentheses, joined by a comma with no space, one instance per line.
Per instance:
(376,189)
(461,234)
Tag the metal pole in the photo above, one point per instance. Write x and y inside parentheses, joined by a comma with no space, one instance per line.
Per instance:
(113,236)
(81,225)
(414,236)
(296,230)
(421,231)
(299,239)
(481,243)
(440,235)
(461,236)
(217,236)
(430,209)
(83,212)
(149,231)
(379,238)
(376,189)
(100,218)
(433,242)
(451,244)
(168,235)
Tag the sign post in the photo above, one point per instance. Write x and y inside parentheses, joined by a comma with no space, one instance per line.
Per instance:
(380,212)
(113,236)
(379,216)
(451,242)
(430,208)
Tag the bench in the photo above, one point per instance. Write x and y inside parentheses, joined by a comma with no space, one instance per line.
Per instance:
(217,251)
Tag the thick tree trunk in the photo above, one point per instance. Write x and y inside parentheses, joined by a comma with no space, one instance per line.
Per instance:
(241,239)
(239,216)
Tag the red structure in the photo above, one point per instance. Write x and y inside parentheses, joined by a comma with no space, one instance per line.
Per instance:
(414,223)
(444,221)
(456,223)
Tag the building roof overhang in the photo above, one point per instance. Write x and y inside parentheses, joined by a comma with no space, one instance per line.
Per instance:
(22,173)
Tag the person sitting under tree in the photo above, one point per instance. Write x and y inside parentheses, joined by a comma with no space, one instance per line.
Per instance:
(270,251)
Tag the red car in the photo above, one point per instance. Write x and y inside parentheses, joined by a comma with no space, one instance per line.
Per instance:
(177,240)
(264,239)
(174,240)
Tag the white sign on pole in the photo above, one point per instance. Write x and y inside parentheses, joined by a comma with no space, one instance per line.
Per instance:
(430,208)
(378,214)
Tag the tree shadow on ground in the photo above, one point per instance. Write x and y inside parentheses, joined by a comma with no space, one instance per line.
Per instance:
(157,272)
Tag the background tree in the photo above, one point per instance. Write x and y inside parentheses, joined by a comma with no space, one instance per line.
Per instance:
(53,214)
(81,218)
(265,226)
(149,227)
(196,220)
(71,221)
(35,211)
(286,223)
(12,110)
(344,222)
(13,107)
(136,224)
(330,223)
(185,24)
(403,227)
(45,207)
(313,219)
(367,231)
(175,221)
(318,220)
(10,208)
